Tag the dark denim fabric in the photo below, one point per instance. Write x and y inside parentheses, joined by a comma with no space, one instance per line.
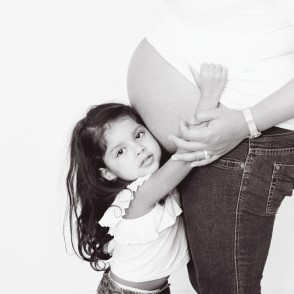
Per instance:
(107,286)
(230,207)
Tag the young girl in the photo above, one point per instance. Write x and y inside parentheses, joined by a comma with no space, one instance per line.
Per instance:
(125,205)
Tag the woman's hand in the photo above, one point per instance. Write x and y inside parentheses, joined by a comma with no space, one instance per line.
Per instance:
(226,129)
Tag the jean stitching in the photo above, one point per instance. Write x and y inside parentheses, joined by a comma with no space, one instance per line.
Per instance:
(272,151)
(237,220)
(287,133)
(273,184)
(229,164)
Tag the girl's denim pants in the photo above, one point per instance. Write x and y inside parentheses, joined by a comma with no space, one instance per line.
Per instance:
(108,286)
(230,208)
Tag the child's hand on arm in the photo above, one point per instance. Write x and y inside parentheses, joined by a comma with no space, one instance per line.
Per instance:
(211,82)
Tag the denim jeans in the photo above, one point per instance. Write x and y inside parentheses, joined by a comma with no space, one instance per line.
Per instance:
(108,286)
(230,207)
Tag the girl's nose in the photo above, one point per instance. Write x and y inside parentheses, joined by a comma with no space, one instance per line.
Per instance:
(140,150)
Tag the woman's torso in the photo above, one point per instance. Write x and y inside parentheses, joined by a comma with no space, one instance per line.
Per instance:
(251,37)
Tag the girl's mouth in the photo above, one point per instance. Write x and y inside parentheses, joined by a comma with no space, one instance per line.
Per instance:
(147,161)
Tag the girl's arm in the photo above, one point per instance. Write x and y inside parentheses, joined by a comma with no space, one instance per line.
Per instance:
(211,81)
(227,127)
(157,186)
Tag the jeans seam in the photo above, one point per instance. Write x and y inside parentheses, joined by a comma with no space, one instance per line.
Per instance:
(275,180)
(272,151)
(198,283)
(273,184)
(237,220)
(229,164)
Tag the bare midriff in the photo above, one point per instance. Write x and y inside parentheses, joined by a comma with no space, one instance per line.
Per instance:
(161,94)
(149,285)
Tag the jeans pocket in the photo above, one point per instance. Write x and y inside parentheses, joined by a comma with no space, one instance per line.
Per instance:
(282,184)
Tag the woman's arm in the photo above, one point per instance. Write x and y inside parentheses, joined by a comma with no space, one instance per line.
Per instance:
(276,108)
(227,127)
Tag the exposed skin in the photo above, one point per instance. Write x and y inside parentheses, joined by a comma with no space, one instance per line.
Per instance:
(227,127)
(161,94)
(131,152)
(163,97)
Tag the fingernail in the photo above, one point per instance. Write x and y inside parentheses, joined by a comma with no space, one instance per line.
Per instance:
(193,164)
(174,157)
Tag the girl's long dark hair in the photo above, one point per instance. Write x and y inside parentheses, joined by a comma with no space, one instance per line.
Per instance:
(89,193)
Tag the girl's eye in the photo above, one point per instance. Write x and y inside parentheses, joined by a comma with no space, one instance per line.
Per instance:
(140,134)
(120,152)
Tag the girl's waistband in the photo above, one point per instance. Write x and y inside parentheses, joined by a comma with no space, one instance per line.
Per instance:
(136,290)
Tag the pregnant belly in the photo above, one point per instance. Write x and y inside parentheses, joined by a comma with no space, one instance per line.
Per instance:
(161,94)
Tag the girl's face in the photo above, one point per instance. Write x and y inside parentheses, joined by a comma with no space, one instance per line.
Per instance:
(131,152)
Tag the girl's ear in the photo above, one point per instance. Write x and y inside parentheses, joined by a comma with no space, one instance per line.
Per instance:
(107,174)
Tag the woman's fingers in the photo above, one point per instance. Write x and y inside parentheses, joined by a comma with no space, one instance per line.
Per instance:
(196,158)
(193,132)
(186,145)
(226,129)
(189,156)
(205,161)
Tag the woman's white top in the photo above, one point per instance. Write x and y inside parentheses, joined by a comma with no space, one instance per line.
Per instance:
(251,37)
(149,247)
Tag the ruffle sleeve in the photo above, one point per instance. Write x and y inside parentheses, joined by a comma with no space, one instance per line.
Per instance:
(114,214)
(145,228)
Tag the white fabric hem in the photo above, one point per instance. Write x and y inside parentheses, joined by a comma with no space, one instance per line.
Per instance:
(153,277)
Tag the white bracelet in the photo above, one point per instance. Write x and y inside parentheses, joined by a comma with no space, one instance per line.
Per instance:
(254,133)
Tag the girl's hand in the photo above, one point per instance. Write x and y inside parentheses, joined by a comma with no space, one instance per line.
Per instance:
(211,80)
(226,129)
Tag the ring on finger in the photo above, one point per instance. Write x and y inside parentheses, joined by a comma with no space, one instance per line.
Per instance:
(206,155)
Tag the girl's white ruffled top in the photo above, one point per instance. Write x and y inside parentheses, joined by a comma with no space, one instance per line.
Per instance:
(149,247)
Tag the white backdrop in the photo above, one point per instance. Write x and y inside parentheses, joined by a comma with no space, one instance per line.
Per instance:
(57,58)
